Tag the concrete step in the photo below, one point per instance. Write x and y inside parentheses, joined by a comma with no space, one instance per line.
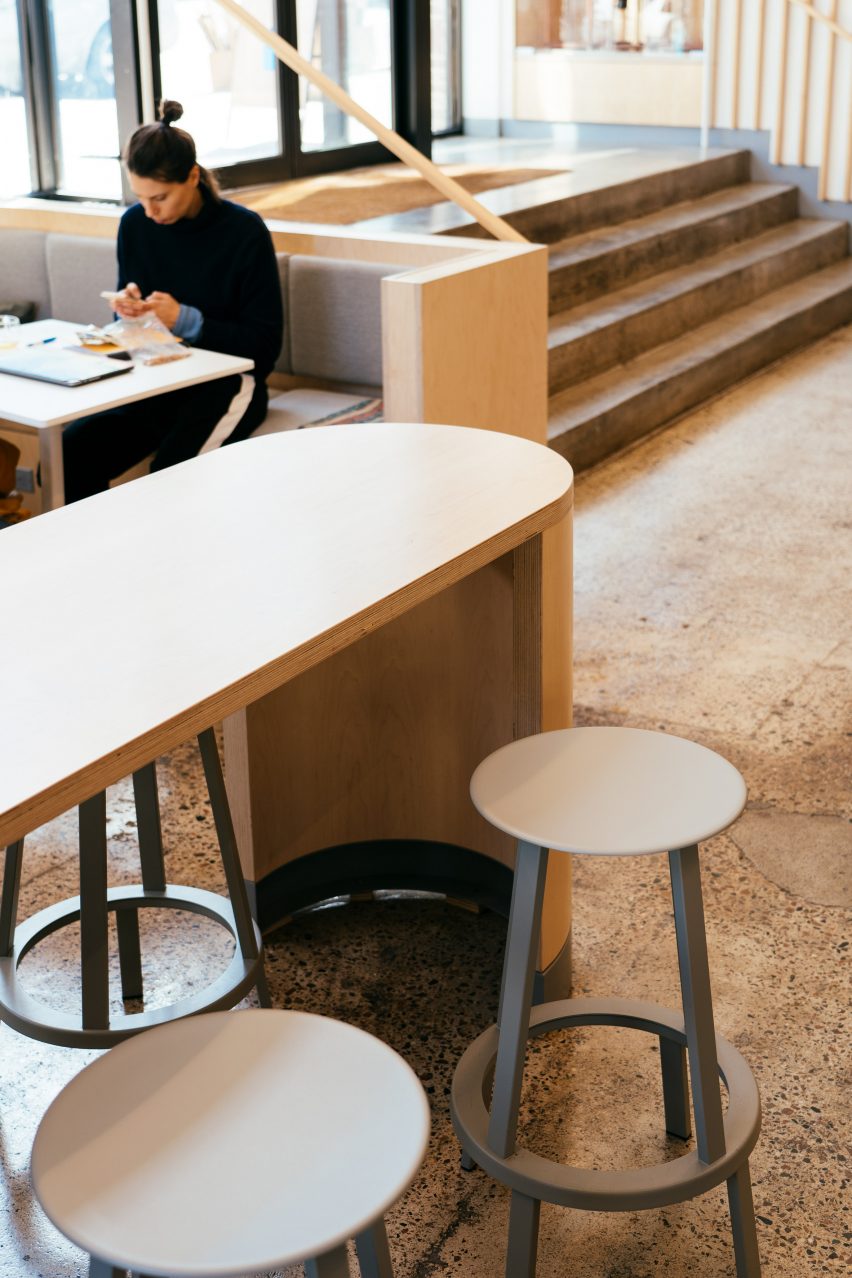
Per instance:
(614,329)
(587,266)
(598,417)
(551,220)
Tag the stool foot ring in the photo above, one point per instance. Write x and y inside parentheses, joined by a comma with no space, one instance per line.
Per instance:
(36,1019)
(592,1190)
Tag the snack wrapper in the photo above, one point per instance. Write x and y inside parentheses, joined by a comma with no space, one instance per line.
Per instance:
(147,339)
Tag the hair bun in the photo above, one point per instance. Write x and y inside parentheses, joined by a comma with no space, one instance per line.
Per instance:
(170,111)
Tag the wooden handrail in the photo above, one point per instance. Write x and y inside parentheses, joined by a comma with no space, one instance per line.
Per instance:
(450,189)
(824,18)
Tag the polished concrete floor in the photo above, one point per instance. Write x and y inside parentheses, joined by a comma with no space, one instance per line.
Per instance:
(713,601)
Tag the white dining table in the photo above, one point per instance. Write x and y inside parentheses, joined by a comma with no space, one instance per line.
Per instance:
(42,408)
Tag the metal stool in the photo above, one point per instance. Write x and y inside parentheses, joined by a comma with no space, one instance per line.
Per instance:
(94,1027)
(610,792)
(233,1143)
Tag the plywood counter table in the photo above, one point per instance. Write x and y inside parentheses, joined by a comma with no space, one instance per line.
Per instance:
(256,571)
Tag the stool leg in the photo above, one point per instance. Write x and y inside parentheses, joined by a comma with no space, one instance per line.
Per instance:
(94,952)
(9,899)
(675,1088)
(227,843)
(373,1252)
(516,995)
(743,1224)
(334,1264)
(101,1269)
(522,1248)
(697,1002)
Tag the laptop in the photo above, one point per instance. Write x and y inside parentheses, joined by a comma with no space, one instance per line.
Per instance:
(62,367)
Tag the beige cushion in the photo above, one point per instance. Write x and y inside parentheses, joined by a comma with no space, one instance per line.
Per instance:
(78,268)
(335,319)
(23,274)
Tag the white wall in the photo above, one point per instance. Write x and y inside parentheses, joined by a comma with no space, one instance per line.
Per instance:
(495,84)
(804,76)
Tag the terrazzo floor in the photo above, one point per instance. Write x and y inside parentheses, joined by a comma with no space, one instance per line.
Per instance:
(713,601)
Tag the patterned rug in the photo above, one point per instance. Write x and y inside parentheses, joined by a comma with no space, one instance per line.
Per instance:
(366,410)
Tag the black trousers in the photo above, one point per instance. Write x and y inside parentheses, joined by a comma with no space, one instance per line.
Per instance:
(173,426)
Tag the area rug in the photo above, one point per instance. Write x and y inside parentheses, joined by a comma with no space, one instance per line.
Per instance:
(365,410)
(354,196)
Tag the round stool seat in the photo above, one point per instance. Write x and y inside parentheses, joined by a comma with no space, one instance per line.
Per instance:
(230,1143)
(608,791)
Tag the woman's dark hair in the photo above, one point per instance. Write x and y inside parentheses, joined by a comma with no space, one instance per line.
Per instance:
(161,151)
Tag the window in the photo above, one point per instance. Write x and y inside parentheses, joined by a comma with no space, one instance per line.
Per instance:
(14,129)
(77,76)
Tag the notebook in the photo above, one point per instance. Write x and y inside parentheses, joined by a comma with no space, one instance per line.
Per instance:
(65,368)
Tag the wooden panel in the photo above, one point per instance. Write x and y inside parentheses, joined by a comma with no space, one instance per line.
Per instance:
(594,88)
(380,742)
(537,23)
(468,345)
(288,237)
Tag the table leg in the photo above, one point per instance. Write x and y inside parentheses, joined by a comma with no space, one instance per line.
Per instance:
(50,464)
(9,902)
(94,953)
(231,858)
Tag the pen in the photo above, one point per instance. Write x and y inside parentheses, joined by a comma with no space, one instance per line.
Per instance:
(42,341)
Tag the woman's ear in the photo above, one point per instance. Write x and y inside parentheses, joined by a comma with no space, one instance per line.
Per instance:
(194,175)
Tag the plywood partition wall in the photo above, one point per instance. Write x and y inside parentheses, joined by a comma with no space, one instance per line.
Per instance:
(466,343)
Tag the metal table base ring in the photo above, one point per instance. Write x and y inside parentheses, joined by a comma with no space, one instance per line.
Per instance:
(36,1019)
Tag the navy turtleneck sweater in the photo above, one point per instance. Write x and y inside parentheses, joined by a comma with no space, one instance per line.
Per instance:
(223,263)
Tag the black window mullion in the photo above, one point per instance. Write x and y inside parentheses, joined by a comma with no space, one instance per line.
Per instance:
(412,77)
(288,90)
(40,94)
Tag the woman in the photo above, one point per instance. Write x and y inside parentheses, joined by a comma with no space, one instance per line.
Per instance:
(206,269)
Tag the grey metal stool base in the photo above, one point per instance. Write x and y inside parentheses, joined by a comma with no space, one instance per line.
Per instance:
(94,1026)
(37,1020)
(632,1190)
(534,1179)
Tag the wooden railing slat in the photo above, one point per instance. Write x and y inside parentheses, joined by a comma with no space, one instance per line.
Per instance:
(450,189)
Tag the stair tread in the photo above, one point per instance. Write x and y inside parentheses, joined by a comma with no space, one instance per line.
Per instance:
(620,304)
(620,384)
(601,240)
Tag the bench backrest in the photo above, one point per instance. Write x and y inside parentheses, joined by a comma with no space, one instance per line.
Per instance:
(332,307)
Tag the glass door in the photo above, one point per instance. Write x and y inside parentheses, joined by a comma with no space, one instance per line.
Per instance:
(351,41)
(224,77)
(445,44)
(16,177)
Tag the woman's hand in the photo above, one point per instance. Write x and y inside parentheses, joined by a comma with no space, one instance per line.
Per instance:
(129,303)
(164,306)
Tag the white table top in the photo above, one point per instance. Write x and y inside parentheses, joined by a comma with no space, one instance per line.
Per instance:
(149,612)
(608,791)
(42,405)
